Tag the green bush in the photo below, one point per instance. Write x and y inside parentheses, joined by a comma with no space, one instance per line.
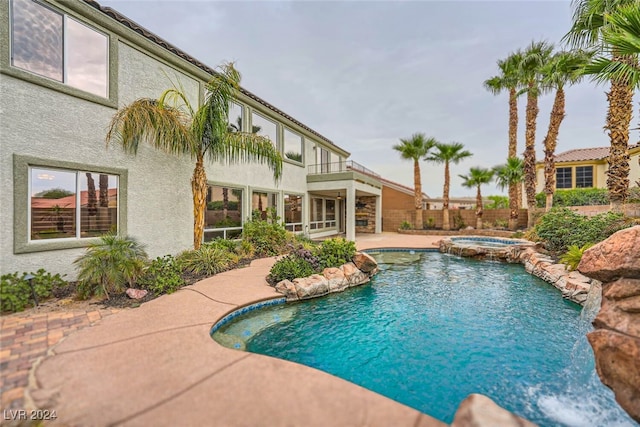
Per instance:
(405,225)
(268,238)
(110,265)
(429,224)
(575,197)
(335,252)
(16,294)
(210,259)
(561,228)
(573,255)
(458,222)
(163,276)
(289,267)
(498,202)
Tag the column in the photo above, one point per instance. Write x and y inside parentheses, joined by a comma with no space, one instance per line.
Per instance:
(378,215)
(350,226)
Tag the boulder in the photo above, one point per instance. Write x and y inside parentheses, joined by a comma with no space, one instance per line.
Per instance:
(617,357)
(364,262)
(288,289)
(311,287)
(478,410)
(136,293)
(620,309)
(336,280)
(618,256)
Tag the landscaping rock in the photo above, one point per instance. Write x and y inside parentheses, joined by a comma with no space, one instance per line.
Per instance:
(336,279)
(364,262)
(312,286)
(618,256)
(288,289)
(136,293)
(478,410)
(620,309)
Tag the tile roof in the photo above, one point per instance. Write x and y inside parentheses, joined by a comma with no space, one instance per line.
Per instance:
(114,14)
(581,154)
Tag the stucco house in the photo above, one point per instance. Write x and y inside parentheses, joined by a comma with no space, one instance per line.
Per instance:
(65,68)
(586,168)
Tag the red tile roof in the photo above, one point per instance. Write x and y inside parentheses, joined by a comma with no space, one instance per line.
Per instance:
(581,154)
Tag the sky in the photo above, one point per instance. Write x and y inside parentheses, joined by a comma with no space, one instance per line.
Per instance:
(366,73)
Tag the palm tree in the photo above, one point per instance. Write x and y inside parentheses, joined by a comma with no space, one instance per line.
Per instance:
(447,154)
(591,21)
(170,124)
(416,148)
(563,68)
(475,178)
(623,37)
(534,58)
(509,80)
(510,175)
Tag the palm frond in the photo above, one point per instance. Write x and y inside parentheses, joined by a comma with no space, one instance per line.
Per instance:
(146,121)
(604,70)
(239,147)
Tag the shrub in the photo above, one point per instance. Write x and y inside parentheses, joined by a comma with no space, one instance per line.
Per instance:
(573,255)
(458,222)
(498,202)
(561,227)
(163,276)
(268,238)
(429,224)
(16,294)
(210,259)
(405,225)
(289,267)
(335,252)
(501,223)
(575,197)
(110,265)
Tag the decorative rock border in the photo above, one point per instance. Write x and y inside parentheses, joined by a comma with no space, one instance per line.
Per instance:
(357,272)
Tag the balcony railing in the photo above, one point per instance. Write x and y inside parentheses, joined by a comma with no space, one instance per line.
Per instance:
(344,166)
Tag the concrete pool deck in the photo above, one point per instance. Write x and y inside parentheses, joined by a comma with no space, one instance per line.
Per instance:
(157,365)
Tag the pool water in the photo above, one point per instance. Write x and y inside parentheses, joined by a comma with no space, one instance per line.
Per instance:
(432,328)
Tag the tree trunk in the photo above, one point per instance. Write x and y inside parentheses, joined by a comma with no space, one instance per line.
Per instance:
(104,190)
(618,122)
(550,143)
(530,153)
(199,189)
(479,210)
(417,185)
(225,202)
(514,204)
(445,199)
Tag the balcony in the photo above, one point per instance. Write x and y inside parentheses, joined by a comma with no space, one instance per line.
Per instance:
(337,167)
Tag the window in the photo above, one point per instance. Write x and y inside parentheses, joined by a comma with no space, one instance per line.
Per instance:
(56,46)
(264,127)
(325,159)
(293,212)
(323,213)
(56,194)
(292,146)
(223,217)
(584,176)
(563,178)
(235,117)
(264,204)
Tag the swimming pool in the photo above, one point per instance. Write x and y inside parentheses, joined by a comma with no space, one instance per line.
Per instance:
(433,328)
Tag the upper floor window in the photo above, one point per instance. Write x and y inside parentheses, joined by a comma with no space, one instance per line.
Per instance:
(71,204)
(292,146)
(264,127)
(584,176)
(563,178)
(235,117)
(56,46)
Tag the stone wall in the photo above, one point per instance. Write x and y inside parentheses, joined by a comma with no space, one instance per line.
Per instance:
(392,218)
(616,339)
(366,213)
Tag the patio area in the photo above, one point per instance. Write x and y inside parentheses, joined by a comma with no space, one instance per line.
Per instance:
(157,365)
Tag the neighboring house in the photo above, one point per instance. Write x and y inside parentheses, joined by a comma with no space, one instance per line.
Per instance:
(586,168)
(398,196)
(65,68)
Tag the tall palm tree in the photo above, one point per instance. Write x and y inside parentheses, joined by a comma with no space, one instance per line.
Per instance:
(172,125)
(509,80)
(623,37)
(591,21)
(562,69)
(475,178)
(447,154)
(416,148)
(534,58)
(510,175)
